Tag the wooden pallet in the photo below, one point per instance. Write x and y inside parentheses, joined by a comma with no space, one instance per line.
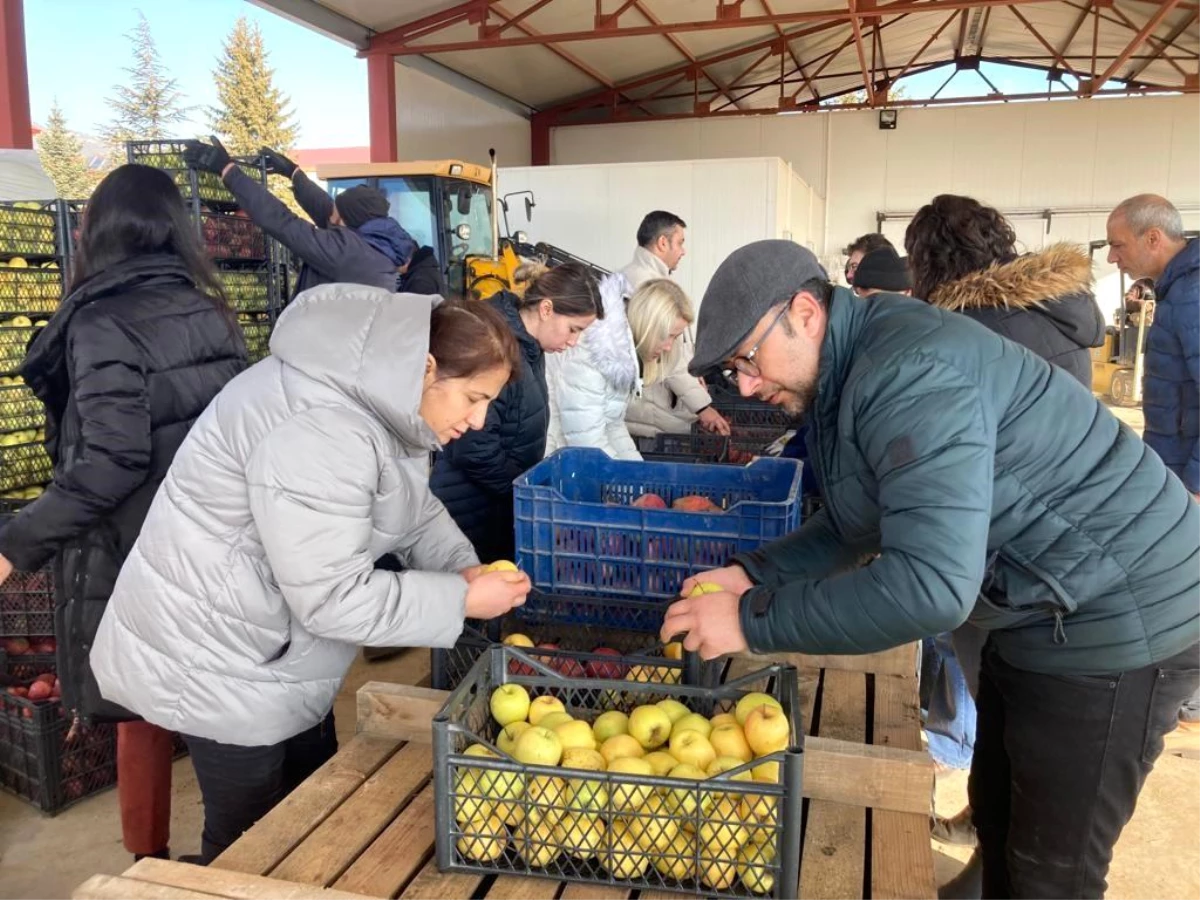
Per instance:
(363,824)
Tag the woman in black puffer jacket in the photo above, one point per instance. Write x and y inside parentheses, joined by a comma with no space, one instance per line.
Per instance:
(140,345)
(473,476)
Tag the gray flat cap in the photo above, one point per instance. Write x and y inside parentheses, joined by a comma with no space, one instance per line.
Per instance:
(749,282)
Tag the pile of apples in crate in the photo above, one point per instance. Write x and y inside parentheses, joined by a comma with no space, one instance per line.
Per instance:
(694,503)
(697,831)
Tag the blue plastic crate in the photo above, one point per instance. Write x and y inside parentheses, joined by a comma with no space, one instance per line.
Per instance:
(577,534)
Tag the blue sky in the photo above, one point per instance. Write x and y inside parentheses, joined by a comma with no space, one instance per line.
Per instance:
(77,51)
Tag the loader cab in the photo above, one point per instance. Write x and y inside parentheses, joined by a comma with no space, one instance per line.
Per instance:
(443,204)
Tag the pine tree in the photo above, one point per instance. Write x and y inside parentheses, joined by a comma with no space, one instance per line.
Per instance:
(61,154)
(252,111)
(151,103)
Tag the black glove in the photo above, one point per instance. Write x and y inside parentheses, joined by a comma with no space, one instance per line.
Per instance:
(277,163)
(206,157)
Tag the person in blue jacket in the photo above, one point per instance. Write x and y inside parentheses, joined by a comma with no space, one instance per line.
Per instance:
(1145,239)
(473,475)
(983,483)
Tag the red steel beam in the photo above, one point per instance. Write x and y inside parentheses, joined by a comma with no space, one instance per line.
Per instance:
(1125,22)
(681,48)
(16,126)
(791,52)
(469,10)
(381,108)
(867,73)
(1140,38)
(1152,41)
(1089,7)
(925,46)
(1058,57)
(1168,41)
(404,47)
(495,30)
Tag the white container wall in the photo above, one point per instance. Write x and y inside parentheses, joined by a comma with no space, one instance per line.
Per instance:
(593,211)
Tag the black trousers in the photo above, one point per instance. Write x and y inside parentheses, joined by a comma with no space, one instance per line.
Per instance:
(240,785)
(1059,761)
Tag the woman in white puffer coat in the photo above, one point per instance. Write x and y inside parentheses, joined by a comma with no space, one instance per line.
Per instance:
(591,384)
(253,581)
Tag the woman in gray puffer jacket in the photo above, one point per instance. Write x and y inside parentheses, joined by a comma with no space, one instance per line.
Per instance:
(240,607)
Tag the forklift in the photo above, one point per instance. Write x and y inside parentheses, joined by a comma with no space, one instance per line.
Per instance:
(451,206)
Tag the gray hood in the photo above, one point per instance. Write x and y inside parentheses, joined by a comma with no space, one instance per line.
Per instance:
(367,343)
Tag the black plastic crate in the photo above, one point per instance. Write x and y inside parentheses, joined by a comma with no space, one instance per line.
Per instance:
(249,290)
(256,330)
(205,188)
(33,291)
(27,605)
(20,410)
(28,666)
(39,763)
(576,625)
(633,831)
(738,448)
(24,466)
(28,230)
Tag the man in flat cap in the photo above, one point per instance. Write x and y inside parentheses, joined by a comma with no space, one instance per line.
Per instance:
(354,239)
(986,484)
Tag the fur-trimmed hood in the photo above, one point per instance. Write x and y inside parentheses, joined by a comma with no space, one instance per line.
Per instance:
(608,341)
(1056,282)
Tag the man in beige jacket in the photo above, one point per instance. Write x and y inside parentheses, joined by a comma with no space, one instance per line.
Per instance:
(673,403)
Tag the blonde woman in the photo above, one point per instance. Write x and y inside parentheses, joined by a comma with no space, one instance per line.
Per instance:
(671,400)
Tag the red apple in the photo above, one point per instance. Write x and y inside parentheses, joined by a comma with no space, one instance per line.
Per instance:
(40,690)
(603,668)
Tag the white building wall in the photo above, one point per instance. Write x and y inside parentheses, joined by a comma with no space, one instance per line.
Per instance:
(593,211)
(435,120)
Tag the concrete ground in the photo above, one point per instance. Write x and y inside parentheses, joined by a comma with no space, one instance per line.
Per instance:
(1158,854)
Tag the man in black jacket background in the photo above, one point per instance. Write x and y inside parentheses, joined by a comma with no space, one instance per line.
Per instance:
(352,239)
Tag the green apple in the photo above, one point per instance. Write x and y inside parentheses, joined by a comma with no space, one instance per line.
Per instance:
(509,703)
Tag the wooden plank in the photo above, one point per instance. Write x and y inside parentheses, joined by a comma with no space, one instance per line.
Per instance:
(901,855)
(401,711)
(397,854)
(115,887)
(574,890)
(236,885)
(433,884)
(519,887)
(833,856)
(903,660)
(334,844)
(261,848)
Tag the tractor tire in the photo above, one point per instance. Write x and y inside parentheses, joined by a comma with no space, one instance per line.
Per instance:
(1121,387)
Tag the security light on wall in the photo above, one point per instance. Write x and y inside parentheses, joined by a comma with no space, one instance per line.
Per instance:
(887,119)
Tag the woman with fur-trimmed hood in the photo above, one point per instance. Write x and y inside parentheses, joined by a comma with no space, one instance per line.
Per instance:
(964,258)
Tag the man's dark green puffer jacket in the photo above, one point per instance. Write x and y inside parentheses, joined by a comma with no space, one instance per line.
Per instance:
(993,486)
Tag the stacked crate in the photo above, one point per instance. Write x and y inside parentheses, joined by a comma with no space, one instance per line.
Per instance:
(249,262)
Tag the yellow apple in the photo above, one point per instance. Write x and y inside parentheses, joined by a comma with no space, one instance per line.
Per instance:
(624,859)
(580,836)
(722,832)
(676,861)
(507,739)
(693,748)
(723,719)
(536,845)
(653,675)
(724,764)
(509,703)
(673,650)
(661,761)
(501,565)
(692,722)
(582,758)
(673,708)
(767,772)
(728,740)
(760,808)
(478,790)
(540,707)
(587,795)
(754,867)
(544,802)
(751,702)
(538,747)
(626,796)
(683,801)
(554,719)
(718,874)
(610,724)
(620,746)
(654,830)
(650,725)
(483,839)
(518,640)
(705,587)
(575,734)
(767,730)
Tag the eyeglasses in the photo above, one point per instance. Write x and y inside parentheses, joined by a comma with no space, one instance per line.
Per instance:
(746,364)
(851,268)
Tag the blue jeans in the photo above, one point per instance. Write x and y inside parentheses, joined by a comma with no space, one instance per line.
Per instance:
(949,711)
